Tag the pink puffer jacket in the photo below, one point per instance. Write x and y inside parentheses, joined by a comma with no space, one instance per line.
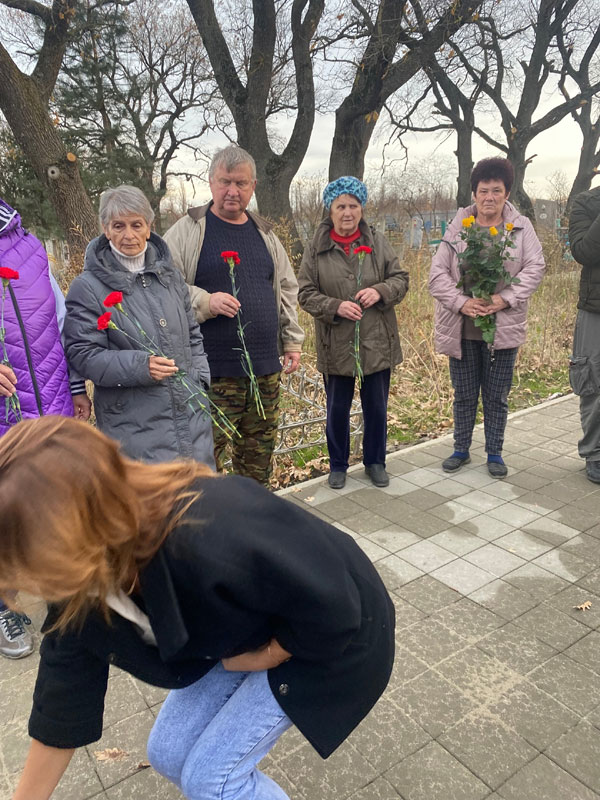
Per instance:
(527,263)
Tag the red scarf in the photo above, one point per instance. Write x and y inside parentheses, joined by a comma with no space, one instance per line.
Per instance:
(345,241)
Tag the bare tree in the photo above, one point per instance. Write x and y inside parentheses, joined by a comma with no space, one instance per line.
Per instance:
(256,83)
(401,37)
(24,102)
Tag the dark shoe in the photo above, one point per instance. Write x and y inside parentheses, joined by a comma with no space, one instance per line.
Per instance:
(592,470)
(454,463)
(378,475)
(497,470)
(337,480)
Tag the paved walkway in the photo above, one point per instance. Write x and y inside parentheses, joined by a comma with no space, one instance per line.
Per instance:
(496,688)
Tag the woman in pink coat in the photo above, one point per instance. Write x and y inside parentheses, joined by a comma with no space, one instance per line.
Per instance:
(474,367)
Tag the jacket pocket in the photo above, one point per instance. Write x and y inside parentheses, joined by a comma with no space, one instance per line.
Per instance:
(581,376)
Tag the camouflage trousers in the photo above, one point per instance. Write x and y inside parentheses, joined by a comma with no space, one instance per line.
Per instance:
(250,454)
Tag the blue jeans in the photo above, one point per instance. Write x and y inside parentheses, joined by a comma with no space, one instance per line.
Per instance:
(209,737)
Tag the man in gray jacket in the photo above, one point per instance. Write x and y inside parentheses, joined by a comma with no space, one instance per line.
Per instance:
(584,238)
(264,299)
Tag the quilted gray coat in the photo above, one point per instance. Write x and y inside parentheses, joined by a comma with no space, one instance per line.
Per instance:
(153,420)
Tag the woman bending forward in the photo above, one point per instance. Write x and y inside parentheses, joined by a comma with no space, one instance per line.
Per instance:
(255,613)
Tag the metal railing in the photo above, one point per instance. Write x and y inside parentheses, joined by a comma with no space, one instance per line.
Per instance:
(304,425)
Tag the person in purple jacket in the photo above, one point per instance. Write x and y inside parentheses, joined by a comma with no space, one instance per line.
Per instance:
(36,372)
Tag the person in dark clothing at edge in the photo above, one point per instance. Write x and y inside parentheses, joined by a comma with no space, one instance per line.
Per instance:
(36,372)
(265,302)
(257,614)
(584,368)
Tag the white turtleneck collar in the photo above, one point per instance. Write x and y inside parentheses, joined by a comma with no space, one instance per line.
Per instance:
(132,263)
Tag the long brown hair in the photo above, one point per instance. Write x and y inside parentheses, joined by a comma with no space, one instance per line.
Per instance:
(77,518)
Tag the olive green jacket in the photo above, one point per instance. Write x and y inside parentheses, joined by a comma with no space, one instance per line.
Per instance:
(584,238)
(328,277)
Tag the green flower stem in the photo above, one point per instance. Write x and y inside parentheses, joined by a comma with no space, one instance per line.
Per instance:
(11,403)
(216,416)
(245,359)
(355,346)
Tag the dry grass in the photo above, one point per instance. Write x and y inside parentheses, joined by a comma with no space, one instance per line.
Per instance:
(421,393)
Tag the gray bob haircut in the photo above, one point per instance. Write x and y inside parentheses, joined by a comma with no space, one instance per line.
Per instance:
(124,200)
(229,158)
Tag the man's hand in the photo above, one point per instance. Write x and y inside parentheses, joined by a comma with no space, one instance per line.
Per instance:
(475,307)
(349,310)
(82,406)
(161,368)
(223,303)
(270,655)
(291,362)
(368,297)
(8,381)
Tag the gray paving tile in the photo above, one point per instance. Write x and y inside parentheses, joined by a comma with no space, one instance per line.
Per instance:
(551,626)
(564,564)
(569,601)
(481,500)
(450,489)
(463,576)
(432,702)
(379,789)
(457,541)
(423,523)
(366,521)
(367,497)
(453,512)
(146,783)
(388,735)
(534,715)
(428,594)
(129,735)
(423,499)
(494,559)
(426,556)
(507,492)
(584,547)
(123,698)
(525,480)
(542,778)
(560,490)
(586,651)
(523,544)
(422,477)
(468,619)
(433,774)
(517,648)
(480,677)
(371,549)
(574,517)
(395,572)
(406,665)
(393,538)
(486,527)
(398,487)
(340,508)
(398,466)
(577,753)
(536,581)
(540,503)
(475,478)
(504,599)
(406,614)
(591,581)
(572,684)
(420,458)
(514,515)
(343,774)
(492,751)
(432,642)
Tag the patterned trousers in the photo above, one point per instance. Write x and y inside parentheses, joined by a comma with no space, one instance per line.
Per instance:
(475,373)
(251,452)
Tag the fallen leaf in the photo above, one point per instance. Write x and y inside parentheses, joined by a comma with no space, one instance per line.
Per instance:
(310,498)
(584,606)
(143,765)
(110,754)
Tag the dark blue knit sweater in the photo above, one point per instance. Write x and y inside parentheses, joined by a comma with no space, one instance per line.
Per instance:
(254,279)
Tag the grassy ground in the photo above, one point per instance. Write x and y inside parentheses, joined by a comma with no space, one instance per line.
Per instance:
(421,394)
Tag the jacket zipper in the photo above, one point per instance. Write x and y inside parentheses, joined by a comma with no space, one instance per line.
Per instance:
(36,390)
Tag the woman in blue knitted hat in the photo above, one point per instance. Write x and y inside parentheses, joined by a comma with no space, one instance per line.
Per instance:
(350,280)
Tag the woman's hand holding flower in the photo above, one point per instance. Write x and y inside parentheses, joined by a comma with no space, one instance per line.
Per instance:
(8,381)
(349,310)
(475,307)
(161,368)
(368,297)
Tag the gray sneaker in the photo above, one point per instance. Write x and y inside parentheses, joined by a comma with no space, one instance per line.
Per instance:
(15,641)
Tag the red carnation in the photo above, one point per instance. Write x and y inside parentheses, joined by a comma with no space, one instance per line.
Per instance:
(7,274)
(113,299)
(363,249)
(231,254)
(104,320)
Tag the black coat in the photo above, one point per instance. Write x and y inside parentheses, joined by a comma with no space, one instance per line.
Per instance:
(584,239)
(247,567)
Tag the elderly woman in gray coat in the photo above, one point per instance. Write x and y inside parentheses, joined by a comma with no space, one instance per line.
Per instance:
(136,351)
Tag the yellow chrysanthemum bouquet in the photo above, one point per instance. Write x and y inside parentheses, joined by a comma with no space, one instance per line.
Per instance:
(482,267)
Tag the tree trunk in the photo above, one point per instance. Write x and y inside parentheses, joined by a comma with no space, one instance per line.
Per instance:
(27,115)
(464,157)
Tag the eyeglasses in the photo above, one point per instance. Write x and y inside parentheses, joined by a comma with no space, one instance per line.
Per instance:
(225,183)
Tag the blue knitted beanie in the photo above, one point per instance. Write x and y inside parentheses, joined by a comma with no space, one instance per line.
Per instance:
(346,185)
